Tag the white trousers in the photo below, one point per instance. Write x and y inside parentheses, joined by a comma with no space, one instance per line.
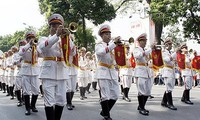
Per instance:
(30,85)
(143,86)
(18,83)
(82,81)
(126,81)
(188,82)
(71,83)
(169,84)
(54,92)
(109,89)
(11,81)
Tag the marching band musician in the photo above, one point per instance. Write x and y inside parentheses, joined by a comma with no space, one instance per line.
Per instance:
(89,70)
(168,73)
(71,83)
(4,81)
(54,72)
(82,73)
(1,73)
(6,73)
(94,67)
(187,74)
(11,69)
(142,73)
(106,74)
(125,73)
(18,78)
(30,72)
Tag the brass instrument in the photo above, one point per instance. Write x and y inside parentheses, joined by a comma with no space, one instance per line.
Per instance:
(35,41)
(73,27)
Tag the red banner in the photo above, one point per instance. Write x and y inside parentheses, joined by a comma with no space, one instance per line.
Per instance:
(132,61)
(196,63)
(75,59)
(65,48)
(181,60)
(157,59)
(120,55)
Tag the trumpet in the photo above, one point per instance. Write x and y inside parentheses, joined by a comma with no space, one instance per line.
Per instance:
(35,41)
(73,27)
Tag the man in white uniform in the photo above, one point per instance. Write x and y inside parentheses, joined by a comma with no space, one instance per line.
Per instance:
(168,73)
(106,74)
(142,73)
(125,74)
(30,72)
(18,78)
(187,75)
(54,72)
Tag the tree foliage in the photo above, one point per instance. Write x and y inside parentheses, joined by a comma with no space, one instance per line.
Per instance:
(168,12)
(96,11)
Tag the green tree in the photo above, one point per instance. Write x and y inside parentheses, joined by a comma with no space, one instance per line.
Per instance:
(96,11)
(10,40)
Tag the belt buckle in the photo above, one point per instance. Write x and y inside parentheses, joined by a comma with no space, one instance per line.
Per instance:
(56,58)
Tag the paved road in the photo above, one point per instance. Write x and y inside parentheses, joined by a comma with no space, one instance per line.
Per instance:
(89,109)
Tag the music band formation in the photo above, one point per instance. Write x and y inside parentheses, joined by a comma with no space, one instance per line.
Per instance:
(55,67)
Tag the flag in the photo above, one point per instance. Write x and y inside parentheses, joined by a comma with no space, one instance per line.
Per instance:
(120,58)
(181,60)
(65,48)
(75,59)
(196,63)
(157,60)
(132,61)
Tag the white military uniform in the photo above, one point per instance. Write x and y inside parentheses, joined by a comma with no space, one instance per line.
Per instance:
(187,73)
(82,72)
(73,70)
(11,69)
(17,74)
(142,71)
(168,71)
(54,72)
(125,73)
(29,72)
(106,74)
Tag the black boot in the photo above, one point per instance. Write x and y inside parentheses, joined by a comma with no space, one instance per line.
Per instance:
(105,110)
(125,96)
(8,91)
(4,87)
(0,86)
(187,97)
(50,114)
(183,96)
(88,88)
(69,102)
(145,100)
(111,103)
(94,85)
(11,92)
(58,112)
(72,95)
(84,90)
(19,98)
(122,89)
(81,93)
(164,100)
(170,101)
(141,106)
(27,104)
(41,91)
(33,102)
